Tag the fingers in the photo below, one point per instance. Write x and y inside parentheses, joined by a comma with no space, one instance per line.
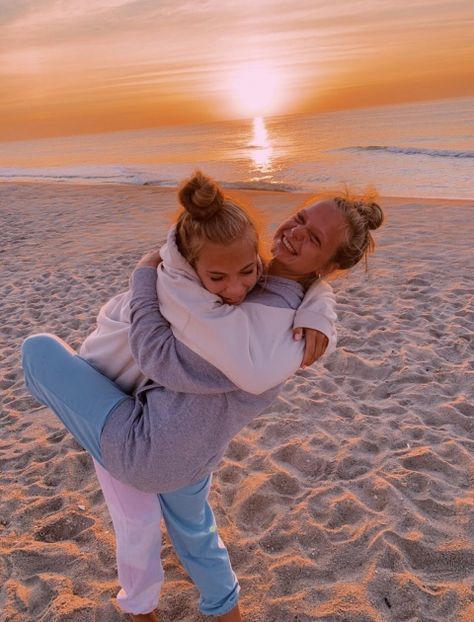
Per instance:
(315,346)
(321,344)
(309,355)
(297,334)
(152,259)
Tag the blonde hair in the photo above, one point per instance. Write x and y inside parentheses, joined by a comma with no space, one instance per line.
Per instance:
(363,215)
(209,216)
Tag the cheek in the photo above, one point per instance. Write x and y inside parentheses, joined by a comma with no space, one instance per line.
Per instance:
(311,256)
(212,286)
(278,232)
(250,281)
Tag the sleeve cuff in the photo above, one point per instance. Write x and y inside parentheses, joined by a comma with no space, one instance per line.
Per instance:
(308,319)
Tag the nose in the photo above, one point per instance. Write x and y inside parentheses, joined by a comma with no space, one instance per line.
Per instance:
(298,232)
(235,290)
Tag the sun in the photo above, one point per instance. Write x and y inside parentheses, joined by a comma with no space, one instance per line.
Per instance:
(256,89)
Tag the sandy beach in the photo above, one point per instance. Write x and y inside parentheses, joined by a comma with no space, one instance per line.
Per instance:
(349,500)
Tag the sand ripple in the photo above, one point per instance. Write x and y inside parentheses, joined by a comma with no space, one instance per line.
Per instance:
(349,500)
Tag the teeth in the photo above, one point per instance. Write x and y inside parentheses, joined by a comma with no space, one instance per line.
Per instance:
(287,245)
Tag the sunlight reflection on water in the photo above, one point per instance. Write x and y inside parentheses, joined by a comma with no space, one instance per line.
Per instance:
(413,150)
(261,147)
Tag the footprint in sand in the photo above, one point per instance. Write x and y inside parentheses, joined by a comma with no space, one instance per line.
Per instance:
(456,559)
(230,474)
(28,562)
(347,510)
(258,503)
(423,459)
(237,451)
(296,455)
(411,598)
(351,467)
(285,484)
(64,528)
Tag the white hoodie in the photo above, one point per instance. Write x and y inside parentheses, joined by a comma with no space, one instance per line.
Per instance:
(252,343)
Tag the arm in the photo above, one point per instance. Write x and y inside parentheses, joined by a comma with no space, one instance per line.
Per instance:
(159,355)
(252,344)
(317,313)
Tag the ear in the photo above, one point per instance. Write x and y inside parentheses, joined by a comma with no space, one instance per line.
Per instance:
(259,266)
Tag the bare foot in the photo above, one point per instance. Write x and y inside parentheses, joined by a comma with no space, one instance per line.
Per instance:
(144,617)
(231,616)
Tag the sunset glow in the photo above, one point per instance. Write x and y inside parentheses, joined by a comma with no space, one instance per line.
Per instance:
(256,90)
(74,67)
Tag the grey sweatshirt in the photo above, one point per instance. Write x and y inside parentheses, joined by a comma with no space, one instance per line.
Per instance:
(176,429)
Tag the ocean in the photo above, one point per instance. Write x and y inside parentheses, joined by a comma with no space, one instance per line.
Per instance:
(423,150)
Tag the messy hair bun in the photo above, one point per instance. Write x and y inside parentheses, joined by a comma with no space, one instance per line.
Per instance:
(371,212)
(209,216)
(362,216)
(201,197)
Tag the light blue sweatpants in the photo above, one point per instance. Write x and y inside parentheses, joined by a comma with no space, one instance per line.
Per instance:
(83,399)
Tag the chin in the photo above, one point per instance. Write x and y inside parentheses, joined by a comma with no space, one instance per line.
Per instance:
(234,303)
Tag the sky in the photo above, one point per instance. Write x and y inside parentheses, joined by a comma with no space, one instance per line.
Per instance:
(72,67)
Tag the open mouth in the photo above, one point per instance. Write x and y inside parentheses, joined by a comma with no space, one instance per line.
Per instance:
(287,245)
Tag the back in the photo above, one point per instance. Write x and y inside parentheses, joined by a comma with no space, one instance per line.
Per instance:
(172,438)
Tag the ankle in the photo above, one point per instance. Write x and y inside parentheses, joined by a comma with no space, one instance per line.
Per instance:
(231,616)
(144,617)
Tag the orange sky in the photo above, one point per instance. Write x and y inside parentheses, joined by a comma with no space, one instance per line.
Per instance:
(69,66)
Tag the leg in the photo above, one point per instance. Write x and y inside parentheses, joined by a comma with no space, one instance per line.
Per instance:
(76,392)
(136,517)
(192,529)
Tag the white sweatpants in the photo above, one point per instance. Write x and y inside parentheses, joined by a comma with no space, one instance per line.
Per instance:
(136,517)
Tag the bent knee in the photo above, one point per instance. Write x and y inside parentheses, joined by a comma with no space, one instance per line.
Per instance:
(33,343)
(41,344)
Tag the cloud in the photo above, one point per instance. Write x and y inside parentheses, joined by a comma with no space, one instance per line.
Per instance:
(58,50)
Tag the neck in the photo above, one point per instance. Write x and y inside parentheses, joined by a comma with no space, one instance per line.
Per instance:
(274,268)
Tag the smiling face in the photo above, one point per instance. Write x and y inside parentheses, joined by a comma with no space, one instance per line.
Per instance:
(306,243)
(229,271)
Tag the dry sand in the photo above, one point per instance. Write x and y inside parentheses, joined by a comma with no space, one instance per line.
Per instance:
(350,499)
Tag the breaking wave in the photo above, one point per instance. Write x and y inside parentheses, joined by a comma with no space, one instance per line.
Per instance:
(433,153)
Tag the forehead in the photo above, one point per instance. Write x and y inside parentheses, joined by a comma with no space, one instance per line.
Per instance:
(220,257)
(325,217)
(321,209)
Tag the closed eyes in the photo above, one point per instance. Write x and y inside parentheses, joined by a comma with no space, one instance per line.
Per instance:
(245,272)
(301,219)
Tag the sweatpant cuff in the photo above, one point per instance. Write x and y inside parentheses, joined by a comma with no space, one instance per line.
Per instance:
(219,610)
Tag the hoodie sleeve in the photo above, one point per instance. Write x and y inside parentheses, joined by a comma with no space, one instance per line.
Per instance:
(158,354)
(107,349)
(252,343)
(317,311)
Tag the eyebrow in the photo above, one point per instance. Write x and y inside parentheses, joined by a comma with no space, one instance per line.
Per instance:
(314,230)
(216,273)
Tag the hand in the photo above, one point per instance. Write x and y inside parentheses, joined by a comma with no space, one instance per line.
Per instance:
(315,344)
(151,259)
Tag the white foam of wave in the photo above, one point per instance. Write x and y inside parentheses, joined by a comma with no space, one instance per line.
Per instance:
(168,177)
(435,153)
